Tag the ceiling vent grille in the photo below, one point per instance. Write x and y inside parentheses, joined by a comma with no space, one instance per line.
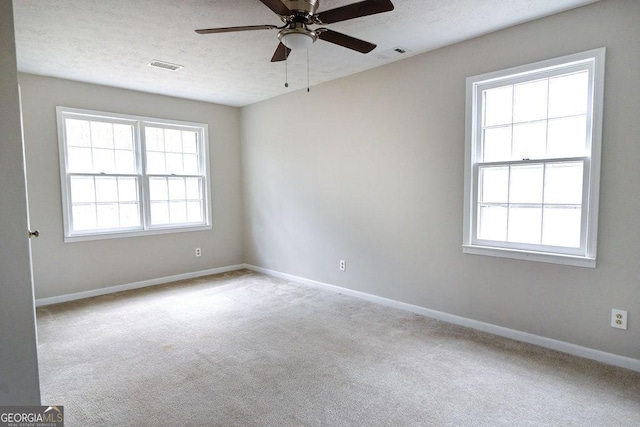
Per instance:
(392,53)
(165,65)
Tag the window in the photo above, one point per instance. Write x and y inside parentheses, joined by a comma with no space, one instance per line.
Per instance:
(126,175)
(532,162)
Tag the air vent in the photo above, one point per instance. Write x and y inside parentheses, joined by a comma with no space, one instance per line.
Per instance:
(165,65)
(392,53)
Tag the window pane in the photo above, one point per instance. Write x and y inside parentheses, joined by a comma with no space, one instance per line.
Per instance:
(125,162)
(568,95)
(97,202)
(191,164)
(82,189)
(103,160)
(189,142)
(494,184)
(178,212)
(79,160)
(498,105)
(177,155)
(78,133)
(529,140)
(106,189)
(158,189)
(193,188)
(127,189)
(174,163)
(154,139)
(530,101)
(123,136)
(173,140)
(194,211)
(496,144)
(492,223)
(102,135)
(525,223)
(156,163)
(526,184)
(562,226)
(159,213)
(567,136)
(177,189)
(84,217)
(108,215)
(129,215)
(563,183)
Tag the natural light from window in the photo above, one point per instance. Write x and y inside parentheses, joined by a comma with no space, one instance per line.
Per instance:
(533,150)
(127,174)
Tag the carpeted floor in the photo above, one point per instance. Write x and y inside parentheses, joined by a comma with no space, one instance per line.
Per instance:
(244,349)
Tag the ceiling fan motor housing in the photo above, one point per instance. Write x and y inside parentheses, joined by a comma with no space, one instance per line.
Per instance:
(307,6)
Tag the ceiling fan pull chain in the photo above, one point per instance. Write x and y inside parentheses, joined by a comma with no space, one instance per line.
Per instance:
(308,88)
(286,73)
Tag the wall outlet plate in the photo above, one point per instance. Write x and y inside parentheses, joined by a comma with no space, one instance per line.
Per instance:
(343,265)
(618,319)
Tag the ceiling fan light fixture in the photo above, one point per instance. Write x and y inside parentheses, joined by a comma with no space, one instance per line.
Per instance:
(297,39)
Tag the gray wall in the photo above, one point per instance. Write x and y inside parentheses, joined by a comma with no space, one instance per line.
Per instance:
(64,268)
(18,356)
(370,169)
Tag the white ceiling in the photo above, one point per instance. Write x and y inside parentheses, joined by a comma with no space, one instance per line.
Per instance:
(110,42)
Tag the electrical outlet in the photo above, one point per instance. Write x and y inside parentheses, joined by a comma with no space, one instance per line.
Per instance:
(618,319)
(343,265)
(198,252)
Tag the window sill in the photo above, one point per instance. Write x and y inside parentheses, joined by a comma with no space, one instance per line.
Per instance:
(572,260)
(135,233)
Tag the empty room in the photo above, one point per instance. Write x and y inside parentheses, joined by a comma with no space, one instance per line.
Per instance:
(320,212)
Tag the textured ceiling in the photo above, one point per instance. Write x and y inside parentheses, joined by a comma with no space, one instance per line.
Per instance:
(110,42)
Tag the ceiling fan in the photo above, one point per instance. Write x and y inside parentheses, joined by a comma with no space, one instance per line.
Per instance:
(298,15)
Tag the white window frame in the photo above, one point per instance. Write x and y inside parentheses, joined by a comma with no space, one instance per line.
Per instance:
(138,123)
(585,256)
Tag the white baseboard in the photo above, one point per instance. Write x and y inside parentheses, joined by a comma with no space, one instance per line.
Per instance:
(565,347)
(135,285)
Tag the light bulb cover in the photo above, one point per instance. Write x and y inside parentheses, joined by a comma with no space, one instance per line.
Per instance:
(297,39)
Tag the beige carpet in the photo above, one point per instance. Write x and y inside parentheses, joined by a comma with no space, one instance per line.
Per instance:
(243,349)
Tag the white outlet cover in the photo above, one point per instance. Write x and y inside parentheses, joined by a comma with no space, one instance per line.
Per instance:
(618,319)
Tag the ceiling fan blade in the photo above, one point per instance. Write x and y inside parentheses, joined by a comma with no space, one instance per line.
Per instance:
(281,54)
(355,10)
(232,29)
(277,7)
(345,40)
